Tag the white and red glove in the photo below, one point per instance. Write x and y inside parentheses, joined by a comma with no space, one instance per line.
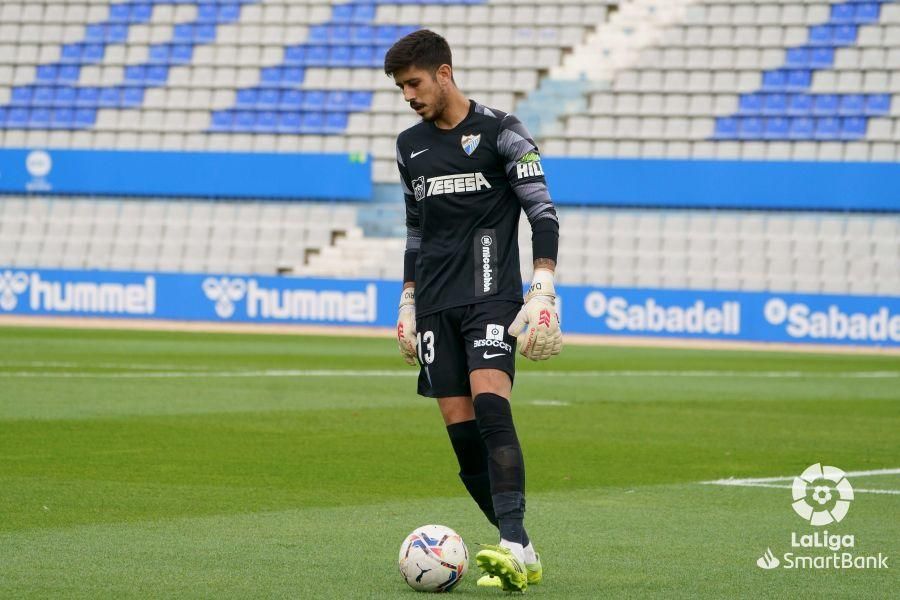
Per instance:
(536,327)
(406,326)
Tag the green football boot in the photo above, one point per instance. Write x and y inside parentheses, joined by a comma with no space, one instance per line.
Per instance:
(534,573)
(502,564)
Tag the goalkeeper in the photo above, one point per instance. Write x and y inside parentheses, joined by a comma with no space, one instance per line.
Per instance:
(467,172)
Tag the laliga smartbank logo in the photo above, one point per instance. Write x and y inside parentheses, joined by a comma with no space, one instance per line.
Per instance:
(652,316)
(802,322)
(262,303)
(821,496)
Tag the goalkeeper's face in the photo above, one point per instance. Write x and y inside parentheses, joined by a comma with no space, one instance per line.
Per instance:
(424,91)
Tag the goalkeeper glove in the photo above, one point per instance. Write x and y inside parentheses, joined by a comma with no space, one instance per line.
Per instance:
(537,325)
(406,326)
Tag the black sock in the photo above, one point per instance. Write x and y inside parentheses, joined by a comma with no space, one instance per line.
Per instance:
(505,465)
(473,465)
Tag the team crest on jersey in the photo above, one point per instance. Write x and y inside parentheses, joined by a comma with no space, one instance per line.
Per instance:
(419,187)
(470,142)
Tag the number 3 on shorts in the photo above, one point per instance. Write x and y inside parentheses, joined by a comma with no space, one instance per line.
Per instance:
(426,340)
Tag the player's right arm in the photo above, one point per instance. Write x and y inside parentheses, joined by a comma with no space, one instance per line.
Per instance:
(406,318)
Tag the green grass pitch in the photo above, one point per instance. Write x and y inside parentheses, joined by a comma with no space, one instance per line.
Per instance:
(149,464)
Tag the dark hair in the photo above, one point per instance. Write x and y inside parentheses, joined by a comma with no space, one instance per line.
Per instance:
(423,49)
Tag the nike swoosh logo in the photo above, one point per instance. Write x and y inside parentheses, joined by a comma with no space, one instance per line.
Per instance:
(415,154)
(486,355)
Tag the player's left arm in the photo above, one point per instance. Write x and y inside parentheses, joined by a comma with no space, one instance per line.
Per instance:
(537,324)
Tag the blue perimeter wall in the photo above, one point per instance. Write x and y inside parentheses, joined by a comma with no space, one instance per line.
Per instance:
(663,183)
(719,315)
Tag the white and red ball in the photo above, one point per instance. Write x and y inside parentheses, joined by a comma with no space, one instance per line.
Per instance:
(433,558)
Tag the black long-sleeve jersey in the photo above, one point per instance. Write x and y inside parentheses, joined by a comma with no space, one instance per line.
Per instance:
(464,189)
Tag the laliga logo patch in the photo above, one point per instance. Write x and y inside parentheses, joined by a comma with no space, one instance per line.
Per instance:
(11,285)
(821,510)
(224,291)
(470,142)
(419,187)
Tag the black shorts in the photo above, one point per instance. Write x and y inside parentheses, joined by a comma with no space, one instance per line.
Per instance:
(454,342)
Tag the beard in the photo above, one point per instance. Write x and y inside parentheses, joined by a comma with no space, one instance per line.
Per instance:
(437,108)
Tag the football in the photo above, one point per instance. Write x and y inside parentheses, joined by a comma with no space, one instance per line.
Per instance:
(433,558)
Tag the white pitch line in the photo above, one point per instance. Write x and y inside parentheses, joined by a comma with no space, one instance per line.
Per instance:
(769,482)
(197,372)
(788,487)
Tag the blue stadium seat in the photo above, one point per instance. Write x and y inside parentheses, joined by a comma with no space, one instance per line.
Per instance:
(268,98)
(39,118)
(853,128)
(316,56)
(339,56)
(295,55)
(312,123)
(85,117)
(845,35)
(132,97)
(336,122)
(87,96)
(774,104)
(827,128)
(17,118)
(110,97)
(362,101)
(362,34)
(204,33)
(136,74)
(65,96)
(266,122)
(244,120)
(207,13)
(291,100)
(228,13)
(63,118)
(750,104)
(289,122)
(120,13)
(821,35)
(726,128)
(387,34)
(797,58)
(337,101)
(878,104)
(222,120)
(338,34)
(246,98)
(342,13)
(184,33)
(43,95)
(777,128)
(843,13)
(93,53)
(3,114)
(363,13)
(801,128)
(292,76)
(799,79)
(318,34)
(313,100)
(825,105)
(821,58)
(21,96)
(852,105)
(182,54)
(774,80)
(71,53)
(868,12)
(159,53)
(363,56)
(47,73)
(141,13)
(750,128)
(95,32)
